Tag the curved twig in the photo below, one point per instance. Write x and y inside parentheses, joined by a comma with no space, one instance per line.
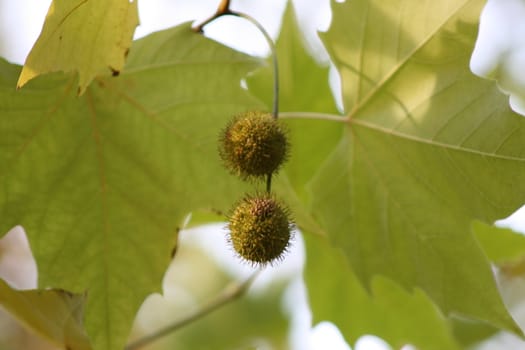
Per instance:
(224,10)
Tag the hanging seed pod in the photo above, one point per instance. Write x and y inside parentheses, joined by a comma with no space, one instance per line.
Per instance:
(253,145)
(260,229)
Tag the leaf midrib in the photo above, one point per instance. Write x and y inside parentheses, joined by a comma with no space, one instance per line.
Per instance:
(355,110)
(391,132)
(105,210)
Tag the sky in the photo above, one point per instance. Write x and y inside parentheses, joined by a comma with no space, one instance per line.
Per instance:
(499,50)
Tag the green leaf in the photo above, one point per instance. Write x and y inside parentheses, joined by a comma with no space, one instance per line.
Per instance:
(89,37)
(470,332)
(54,314)
(426,148)
(390,312)
(505,248)
(102,182)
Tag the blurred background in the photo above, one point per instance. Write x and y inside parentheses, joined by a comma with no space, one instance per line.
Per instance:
(274,314)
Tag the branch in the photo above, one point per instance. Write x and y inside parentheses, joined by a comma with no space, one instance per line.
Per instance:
(223,9)
(230,293)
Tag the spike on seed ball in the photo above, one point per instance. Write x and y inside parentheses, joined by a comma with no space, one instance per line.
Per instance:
(253,145)
(260,229)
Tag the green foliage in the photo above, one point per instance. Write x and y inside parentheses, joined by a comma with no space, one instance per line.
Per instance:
(426,148)
(337,295)
(386,191)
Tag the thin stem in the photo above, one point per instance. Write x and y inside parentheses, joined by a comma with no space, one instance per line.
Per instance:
(273,50)
(269,40)
(223,11)
(269,183)
(229,294)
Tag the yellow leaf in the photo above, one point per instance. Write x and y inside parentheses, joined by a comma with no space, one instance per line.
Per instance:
(54,314)
(91,37)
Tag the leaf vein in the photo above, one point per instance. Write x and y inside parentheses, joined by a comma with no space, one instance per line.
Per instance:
(403,61)
(389,131)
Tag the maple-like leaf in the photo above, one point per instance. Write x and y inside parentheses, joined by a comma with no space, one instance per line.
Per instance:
(102,182)
(426,148)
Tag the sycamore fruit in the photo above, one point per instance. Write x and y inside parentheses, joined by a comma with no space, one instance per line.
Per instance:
(260,229)
(253,145)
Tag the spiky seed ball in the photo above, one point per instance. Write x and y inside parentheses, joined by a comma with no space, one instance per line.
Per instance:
(260,229)
(253,145)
